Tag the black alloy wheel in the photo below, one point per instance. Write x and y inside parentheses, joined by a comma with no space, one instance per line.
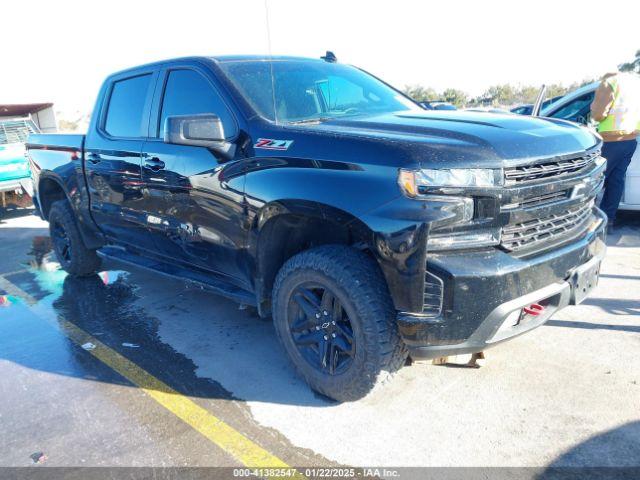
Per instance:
(334,316)
(72,253)
(321,329)
(61,242)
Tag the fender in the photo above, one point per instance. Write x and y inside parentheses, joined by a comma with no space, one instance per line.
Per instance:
(399,247)
(358,204)
(65,176)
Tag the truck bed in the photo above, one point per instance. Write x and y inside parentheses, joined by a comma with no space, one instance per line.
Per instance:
(56,141)
(56,164)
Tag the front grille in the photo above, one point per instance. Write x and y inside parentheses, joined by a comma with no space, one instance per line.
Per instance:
(548,169)
(538,200)
(543,230)
(433,292)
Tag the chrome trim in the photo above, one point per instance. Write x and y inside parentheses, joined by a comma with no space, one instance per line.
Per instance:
(549,169)
(433,290)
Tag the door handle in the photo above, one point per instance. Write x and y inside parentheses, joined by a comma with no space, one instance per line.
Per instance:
(94,158)
(154,164)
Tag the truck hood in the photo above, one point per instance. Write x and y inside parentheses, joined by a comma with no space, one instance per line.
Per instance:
(467,138)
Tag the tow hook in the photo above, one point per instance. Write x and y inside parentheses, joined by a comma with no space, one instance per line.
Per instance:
(535,309)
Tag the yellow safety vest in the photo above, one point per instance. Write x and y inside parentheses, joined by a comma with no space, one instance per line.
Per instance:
(624,114)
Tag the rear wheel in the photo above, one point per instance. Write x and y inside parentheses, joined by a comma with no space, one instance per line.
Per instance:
(333,314)
(73,255)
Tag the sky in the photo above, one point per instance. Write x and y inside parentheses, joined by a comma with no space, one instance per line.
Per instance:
(61,50)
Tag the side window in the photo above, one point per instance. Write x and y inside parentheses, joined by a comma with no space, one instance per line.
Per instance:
(188,93)
(125,112)
(577,110)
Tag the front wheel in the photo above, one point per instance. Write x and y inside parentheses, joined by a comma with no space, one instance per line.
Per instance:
(333,313)
(73,255)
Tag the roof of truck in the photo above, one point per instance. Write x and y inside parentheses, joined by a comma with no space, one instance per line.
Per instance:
(218,59)
(262,58)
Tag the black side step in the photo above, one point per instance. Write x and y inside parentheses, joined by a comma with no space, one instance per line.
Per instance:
(208,280)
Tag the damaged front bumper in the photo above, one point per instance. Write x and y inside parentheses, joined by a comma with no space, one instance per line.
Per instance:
(485,292)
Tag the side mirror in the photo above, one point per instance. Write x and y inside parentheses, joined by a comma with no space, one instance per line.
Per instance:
(201,130)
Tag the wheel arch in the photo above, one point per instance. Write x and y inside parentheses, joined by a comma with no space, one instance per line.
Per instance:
(283,229)
(50,190)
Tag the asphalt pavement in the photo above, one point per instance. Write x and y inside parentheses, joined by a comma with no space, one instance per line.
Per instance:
(178,376)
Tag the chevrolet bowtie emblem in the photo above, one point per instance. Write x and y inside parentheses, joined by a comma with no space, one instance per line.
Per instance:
(579,190)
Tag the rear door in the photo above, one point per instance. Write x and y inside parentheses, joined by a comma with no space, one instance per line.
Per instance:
(112,158)
(194,198)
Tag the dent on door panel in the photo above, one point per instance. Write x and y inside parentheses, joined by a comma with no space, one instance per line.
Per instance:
(194,208)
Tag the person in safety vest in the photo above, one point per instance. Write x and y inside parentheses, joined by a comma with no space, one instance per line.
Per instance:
(616,108)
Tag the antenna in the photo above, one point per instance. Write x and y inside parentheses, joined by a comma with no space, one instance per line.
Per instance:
(273,83)
(330,57)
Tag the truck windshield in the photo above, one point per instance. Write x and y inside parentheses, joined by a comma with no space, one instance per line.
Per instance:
(308,90)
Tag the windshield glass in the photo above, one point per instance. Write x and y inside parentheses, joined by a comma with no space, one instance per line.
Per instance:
(307,90)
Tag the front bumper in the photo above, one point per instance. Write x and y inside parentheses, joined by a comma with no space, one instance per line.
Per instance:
(482,288)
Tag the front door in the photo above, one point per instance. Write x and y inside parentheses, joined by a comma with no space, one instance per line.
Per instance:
(193,199)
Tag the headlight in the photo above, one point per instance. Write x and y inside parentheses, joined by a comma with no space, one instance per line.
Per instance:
(415,182)
(451,241)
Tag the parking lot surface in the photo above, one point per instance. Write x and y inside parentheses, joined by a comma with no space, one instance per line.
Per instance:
(130,368)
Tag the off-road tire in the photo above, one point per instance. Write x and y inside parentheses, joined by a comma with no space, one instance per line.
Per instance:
(356,280)
(78,260)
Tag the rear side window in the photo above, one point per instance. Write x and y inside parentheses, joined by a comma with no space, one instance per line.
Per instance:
(189,93)
(125,112)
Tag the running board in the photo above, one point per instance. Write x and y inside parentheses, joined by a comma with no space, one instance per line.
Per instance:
(208,280)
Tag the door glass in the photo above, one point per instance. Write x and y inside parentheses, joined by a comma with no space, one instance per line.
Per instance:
(125,112)
(576,110)
(188,93)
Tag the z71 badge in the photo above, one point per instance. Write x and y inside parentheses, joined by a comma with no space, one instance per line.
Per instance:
(272,144)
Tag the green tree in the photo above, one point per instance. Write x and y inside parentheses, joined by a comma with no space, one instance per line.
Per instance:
(556,90)
(527,94)
(67,125)
(632,66)
(455,97)
(497,95)
(420,93)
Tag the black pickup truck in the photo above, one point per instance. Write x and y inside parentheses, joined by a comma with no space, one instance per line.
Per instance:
(367,227)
